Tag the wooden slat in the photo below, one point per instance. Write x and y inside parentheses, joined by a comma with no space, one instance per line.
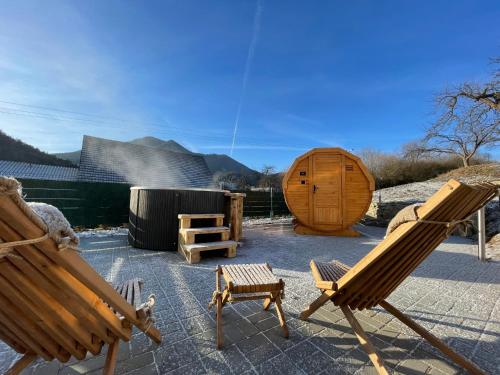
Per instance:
(68,259)
(250,278)
(380,274)
(130,292)
(137,293)
(241,283)
(25,336)
(62,297)
(205,246)
(36,333)
(10,339)
(200,216)
(204,230)
(71,286)
(44,301)
(318,277)
(429,236)
(42,317)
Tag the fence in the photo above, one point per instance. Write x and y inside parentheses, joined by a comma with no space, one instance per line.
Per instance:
(258,203)
(90,204)
(83,203)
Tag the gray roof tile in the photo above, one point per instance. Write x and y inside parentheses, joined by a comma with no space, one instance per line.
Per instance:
(37,171)
(103,160)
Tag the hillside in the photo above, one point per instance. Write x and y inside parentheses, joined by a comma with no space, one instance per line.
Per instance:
(73,157)
(224,163)
(474,173)
(16,150)
(216,162)
(158,143)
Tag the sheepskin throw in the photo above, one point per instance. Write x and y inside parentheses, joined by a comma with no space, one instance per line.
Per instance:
(58,227)
(47,217)
(409,213)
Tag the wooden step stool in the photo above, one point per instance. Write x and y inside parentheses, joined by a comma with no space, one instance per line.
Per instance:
(247,282)
(188,232)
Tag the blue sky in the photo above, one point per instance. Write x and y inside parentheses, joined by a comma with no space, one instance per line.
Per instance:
(300,74)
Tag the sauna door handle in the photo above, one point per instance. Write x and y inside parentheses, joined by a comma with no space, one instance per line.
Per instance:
(315,188)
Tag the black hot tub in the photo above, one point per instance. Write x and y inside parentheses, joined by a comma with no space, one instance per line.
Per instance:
(153,222)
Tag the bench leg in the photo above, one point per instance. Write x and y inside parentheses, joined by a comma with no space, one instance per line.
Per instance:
(316,304)
(364,341)
(219,322)
(110,364)
(218,298)
(281,315)
(267,303)
(21,364)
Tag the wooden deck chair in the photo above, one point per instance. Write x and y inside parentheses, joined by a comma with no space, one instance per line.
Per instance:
(369,282)
(53,304)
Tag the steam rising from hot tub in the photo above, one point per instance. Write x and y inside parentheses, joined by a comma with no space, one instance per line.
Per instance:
(114,161)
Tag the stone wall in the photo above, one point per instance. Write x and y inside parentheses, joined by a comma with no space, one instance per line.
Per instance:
(380,213)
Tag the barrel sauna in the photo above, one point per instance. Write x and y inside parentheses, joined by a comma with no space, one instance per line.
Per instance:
(328,190)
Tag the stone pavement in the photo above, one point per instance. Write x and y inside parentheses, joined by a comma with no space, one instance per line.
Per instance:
(452,294)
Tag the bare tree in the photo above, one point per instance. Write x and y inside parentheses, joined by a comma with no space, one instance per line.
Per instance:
(469,119)
(269,178)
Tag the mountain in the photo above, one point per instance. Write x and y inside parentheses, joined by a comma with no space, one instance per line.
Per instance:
(73,157)
(225,164)
(16,150)
(158,143)
(217,163)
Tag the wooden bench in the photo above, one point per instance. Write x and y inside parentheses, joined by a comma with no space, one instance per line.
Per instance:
(247,282)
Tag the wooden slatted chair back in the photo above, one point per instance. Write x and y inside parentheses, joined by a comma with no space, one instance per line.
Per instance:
(375,276)
(52,302)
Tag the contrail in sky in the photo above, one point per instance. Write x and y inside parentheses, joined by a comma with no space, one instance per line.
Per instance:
(251,52)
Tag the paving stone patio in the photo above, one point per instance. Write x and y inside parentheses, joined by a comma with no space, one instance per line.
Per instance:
(452,294)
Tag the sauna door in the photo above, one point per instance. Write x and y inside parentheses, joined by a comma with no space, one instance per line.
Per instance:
(326,189)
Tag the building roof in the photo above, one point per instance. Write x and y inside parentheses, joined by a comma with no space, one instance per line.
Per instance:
(103,160)
(30,171)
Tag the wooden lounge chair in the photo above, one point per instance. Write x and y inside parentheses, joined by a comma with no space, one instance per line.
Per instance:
(369,282)
(53,304)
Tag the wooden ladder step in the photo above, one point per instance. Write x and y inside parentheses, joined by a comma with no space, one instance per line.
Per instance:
(200,216)
(192,252)
(210,245)
(204,230)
